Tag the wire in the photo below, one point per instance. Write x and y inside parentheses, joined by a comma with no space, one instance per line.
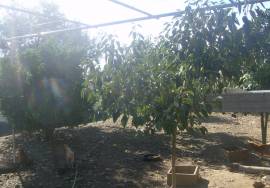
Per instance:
(130,7)
(179,13)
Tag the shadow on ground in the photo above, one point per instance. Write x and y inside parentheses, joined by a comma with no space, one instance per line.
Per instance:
(218,120)
(112,157)
(209,150)
(104,159)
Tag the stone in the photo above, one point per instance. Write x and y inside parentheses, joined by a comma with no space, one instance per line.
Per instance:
(199,162)
(266,179)
(258,184)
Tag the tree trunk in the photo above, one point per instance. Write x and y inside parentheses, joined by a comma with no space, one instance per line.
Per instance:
(264,120)
(13,146)
(173,158)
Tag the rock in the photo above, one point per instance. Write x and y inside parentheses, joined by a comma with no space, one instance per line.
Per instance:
(258,184)
(199,162)
(266,179)
(152,157)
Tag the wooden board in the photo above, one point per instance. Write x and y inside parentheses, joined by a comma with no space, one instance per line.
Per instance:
(252,101)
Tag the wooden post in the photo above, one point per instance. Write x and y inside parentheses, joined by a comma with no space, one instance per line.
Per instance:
(264,120)
(173,158)
(265,126)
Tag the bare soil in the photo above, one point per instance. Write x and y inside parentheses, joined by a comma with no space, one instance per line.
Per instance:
(108,155)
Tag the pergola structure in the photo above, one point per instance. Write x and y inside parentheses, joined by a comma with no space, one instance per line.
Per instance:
(232,102)
(147,16)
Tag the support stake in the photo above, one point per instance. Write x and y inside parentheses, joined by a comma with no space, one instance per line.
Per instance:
(264,120)
(173,158)
(13,146)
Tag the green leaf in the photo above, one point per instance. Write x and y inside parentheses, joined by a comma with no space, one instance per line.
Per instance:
(239,8)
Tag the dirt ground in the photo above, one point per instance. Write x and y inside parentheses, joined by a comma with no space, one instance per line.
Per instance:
(110,156)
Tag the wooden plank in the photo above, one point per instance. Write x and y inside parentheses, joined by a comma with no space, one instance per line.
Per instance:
(253,101)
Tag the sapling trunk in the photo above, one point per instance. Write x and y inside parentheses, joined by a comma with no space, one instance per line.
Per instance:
(13,146)
(173,158)
(264,120)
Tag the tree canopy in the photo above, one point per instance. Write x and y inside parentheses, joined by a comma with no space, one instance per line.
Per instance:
(41,77)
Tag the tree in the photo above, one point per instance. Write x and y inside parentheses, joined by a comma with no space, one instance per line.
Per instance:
(164,84)
(41,77)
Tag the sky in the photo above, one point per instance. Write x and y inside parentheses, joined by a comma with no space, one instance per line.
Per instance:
(101,11)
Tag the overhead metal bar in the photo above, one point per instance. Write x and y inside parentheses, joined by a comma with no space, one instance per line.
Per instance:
(47,23)
(40,14)
(130,7)
(44,23)
(179,13)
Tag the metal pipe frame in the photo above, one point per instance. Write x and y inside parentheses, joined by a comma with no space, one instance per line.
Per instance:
(177,13)
(130,7)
